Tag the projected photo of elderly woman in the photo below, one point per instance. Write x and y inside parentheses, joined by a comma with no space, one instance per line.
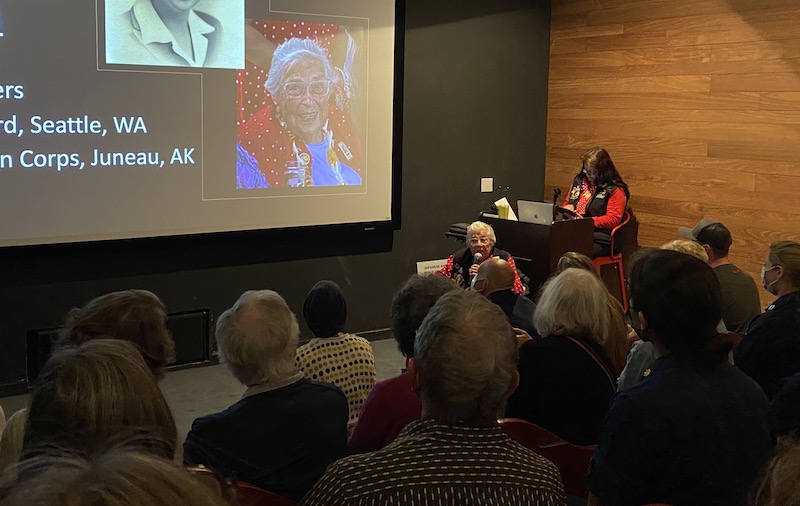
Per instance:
(301,137)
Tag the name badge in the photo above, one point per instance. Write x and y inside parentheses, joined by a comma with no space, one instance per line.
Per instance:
(345,151)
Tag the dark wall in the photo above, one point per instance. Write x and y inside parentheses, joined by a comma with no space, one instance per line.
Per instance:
(475,99)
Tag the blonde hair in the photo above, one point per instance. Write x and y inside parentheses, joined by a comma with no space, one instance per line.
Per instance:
(787,255)
(692,248)
(780,486)
(122,476)
(89,396)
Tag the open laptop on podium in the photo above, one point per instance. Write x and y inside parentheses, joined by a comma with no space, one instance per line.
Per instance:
(535,212)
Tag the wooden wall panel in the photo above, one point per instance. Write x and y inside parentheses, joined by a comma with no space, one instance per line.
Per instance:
(698,103)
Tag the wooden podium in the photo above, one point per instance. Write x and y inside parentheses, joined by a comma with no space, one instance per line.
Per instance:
(536,248)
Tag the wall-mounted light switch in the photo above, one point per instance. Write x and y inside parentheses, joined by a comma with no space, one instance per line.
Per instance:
(487,183)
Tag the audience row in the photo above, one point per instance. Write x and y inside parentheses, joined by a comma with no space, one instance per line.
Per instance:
(679,423)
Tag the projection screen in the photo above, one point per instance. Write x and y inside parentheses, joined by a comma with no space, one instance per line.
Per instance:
(145,118)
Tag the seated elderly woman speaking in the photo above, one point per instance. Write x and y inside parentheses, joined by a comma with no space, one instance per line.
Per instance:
(462,265)
(302,138)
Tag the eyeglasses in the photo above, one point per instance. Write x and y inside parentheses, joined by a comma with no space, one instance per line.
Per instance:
(589,172)
(297,89)
(474,241)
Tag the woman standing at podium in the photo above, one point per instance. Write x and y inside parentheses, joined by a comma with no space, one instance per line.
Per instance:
(598,192)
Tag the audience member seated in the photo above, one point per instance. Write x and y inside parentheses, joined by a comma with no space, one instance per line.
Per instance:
(138,316)
(11,439)
(495,281)
(566,377)
(618,342)
(392,403)
(135,315)
(122,476)
(463,369)
(89,397)
(598,192)
(462,265)
(696,432)
(346,360)
(740,300)
(286,429)
(780,486)
(785,408)
(644,354)
(770,352)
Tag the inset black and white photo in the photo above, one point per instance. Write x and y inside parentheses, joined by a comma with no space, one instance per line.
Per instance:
(175,33)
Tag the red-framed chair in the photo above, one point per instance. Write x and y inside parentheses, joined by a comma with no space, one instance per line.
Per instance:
(571,460)
(250,495)
(615,259)
(239,493)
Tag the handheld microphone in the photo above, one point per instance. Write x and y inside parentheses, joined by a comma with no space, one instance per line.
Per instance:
(475,261)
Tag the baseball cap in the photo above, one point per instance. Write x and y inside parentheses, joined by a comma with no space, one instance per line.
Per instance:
(710,232)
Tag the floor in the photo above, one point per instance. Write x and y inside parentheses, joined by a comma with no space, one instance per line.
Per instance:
(202,390)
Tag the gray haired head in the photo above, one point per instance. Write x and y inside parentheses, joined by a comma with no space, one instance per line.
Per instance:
(287,54)
(466,358)
(257,338)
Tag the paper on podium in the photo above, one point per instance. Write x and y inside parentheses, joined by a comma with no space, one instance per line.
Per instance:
(503,204)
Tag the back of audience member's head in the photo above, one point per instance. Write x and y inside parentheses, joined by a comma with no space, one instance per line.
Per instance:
(89,396)
(257,338)
(135,315)
(119,477)
(465,356)
(573,303)
(688,247)
(679,297)
(572,259)
(717,237)
(780,486)
(325,309)
(410,305)
(494,275)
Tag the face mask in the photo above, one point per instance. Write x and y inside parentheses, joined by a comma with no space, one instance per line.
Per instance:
(767,286)
(636,325)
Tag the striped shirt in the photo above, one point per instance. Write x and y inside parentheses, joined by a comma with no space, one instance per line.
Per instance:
(346,361)
(432,463)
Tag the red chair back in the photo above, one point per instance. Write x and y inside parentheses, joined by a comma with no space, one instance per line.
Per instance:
(626,217)
(250,495)
(615,259)
(571,460)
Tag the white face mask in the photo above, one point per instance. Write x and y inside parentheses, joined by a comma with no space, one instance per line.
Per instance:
(767,286)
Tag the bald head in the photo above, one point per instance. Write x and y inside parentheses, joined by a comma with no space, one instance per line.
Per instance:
(493,275)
